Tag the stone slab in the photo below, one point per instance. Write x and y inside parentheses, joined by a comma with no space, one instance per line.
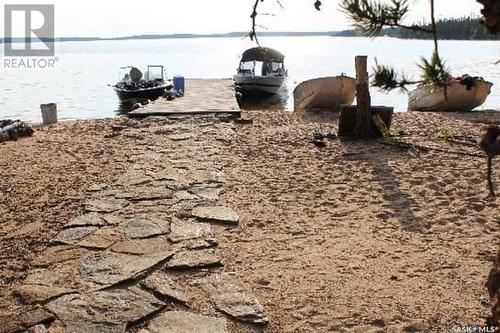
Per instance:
(206,192)
(73,236)
(145,194)
(143,227)
(218,214)
(58,254)
(97,187)
(182,230)
(87,220)
(58,276)
(105,205)
(191,259)
(109,268)
(101,239)
(181,136)
(186,322)
(104,311)
(185,195)
(164,285)
(142,246)
(132,178)
(17,322)
(230,296)
(36,293)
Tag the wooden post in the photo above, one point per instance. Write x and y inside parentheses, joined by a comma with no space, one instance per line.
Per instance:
(49,113)
(363,127)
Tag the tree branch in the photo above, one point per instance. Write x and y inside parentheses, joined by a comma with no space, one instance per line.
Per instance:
(253,32)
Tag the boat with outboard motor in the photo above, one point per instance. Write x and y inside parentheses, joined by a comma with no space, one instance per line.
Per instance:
(135,85)
(269,63)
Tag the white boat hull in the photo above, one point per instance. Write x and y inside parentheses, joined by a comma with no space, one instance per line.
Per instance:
(458,97)
(325,93)
(254,83)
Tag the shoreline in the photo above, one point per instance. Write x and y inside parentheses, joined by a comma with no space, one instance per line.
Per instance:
(492,116)
(234,35)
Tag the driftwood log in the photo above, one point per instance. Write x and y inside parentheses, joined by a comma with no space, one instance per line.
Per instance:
(12,130)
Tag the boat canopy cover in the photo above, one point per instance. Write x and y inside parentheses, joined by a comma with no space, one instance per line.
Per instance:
(264,54)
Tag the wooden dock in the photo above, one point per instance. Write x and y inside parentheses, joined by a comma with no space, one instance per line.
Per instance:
(203,96)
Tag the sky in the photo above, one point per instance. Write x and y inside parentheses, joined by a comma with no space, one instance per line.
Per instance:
(115,18)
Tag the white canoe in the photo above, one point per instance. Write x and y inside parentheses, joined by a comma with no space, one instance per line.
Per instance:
(269,84)
(325,93)
(458,97)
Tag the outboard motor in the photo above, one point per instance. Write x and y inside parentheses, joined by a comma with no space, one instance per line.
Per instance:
(135,74)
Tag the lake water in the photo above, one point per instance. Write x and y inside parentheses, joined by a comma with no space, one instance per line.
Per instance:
(79,82)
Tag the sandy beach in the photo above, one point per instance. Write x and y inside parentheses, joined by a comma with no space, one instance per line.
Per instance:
(357,236)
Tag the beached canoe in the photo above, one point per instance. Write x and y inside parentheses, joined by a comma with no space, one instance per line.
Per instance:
(462,94)
(325,93)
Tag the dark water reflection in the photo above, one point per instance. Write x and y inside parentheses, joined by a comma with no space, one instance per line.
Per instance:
(265,102)
(126,106)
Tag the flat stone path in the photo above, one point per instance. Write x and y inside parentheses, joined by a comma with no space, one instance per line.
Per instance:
(122,265)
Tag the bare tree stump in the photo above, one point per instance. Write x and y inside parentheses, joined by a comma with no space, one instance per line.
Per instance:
(347,119)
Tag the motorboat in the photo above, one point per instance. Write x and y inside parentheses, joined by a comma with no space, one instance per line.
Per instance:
(325,93)
(135,85)
(463,93)
(261,70)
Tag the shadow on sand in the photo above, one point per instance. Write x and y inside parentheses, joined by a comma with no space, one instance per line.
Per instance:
(400,204)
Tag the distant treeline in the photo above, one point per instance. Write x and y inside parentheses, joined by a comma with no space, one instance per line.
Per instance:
(178,36)
(454,28)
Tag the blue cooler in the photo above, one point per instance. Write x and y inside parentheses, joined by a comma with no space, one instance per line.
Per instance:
(179,84)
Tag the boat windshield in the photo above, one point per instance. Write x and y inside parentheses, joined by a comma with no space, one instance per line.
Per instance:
(154,73)
(262,68)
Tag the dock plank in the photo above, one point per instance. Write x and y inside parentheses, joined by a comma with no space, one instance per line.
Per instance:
(203,96)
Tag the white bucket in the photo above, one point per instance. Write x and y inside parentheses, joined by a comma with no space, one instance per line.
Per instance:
(49,113)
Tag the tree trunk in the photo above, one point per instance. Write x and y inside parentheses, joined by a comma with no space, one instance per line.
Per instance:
(363,127)
(493,286)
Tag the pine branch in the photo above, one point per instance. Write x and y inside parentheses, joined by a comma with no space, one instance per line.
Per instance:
(386,78)
(434,71)
(371,17)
